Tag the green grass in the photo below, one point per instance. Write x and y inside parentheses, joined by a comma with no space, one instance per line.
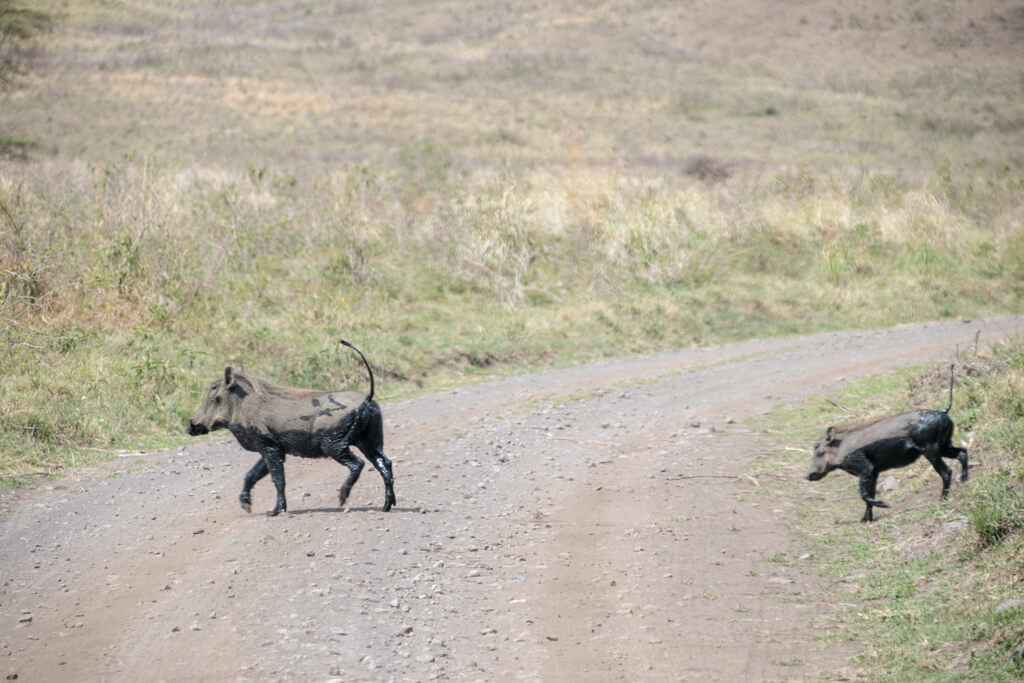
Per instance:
(131,285)
(924,581)
(473,197)
(471,191)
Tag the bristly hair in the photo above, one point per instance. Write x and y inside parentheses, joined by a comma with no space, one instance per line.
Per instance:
(850,427)
(258,386)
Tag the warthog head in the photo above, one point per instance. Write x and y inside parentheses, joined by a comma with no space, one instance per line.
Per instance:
(220,404)
(826,456)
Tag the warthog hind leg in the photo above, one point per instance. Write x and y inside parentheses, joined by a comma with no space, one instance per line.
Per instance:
(960,455)
(355,466)
(943,470)
(383,466)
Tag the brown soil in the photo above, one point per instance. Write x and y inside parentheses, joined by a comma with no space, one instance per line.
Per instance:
(604,522)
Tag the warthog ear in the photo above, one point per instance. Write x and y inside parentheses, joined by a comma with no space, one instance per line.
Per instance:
(228,378)
(830,434)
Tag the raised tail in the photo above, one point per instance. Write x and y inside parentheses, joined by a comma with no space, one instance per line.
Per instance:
(950,387)
(345,343)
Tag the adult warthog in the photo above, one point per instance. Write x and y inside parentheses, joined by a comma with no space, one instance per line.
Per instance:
(275,421)
(866,448)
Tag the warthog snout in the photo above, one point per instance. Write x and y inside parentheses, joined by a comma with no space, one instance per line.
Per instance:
(195,429)
(821,463)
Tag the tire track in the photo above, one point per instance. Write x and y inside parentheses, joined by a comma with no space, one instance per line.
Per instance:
(537,536)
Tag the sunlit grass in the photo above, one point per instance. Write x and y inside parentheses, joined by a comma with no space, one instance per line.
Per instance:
(129,285)
(922,586)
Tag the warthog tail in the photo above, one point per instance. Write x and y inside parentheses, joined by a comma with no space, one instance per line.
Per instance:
(368,370)
(952,365)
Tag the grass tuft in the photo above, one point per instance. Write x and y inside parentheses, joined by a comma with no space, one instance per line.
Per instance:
(996,509)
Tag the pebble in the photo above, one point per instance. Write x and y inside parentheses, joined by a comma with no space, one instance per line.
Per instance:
(1008,605)
(888,484)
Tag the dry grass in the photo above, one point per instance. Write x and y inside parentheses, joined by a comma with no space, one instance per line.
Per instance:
(138,282)
(464,189)
(314,84)
(453,181)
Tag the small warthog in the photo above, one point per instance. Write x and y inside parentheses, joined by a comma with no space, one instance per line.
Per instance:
(866,448)
(275,421)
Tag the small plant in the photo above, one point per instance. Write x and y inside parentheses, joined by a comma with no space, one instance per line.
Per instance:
(996,507)
(17,147)
(796,661)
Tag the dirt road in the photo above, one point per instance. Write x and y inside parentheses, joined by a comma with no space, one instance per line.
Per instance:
(597,522)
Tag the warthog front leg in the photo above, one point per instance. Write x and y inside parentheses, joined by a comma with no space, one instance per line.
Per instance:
(258,471)
(273,456)
(858,464)
(868,482)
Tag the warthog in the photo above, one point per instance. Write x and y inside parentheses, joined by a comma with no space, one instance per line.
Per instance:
(866,448)
(275,421)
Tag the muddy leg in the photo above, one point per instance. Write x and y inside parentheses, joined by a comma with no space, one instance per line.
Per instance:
(859,465)
(355,466)
(943,469)
(274,459)
(371,444)
(961,455)
(258,471)
(383,466)
(868,482)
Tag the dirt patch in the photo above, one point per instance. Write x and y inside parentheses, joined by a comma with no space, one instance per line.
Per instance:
(616,536)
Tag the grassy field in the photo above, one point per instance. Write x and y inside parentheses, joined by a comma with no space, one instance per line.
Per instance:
(930,590)
(466,189)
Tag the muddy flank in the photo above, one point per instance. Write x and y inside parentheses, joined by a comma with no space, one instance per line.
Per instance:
(604,522)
